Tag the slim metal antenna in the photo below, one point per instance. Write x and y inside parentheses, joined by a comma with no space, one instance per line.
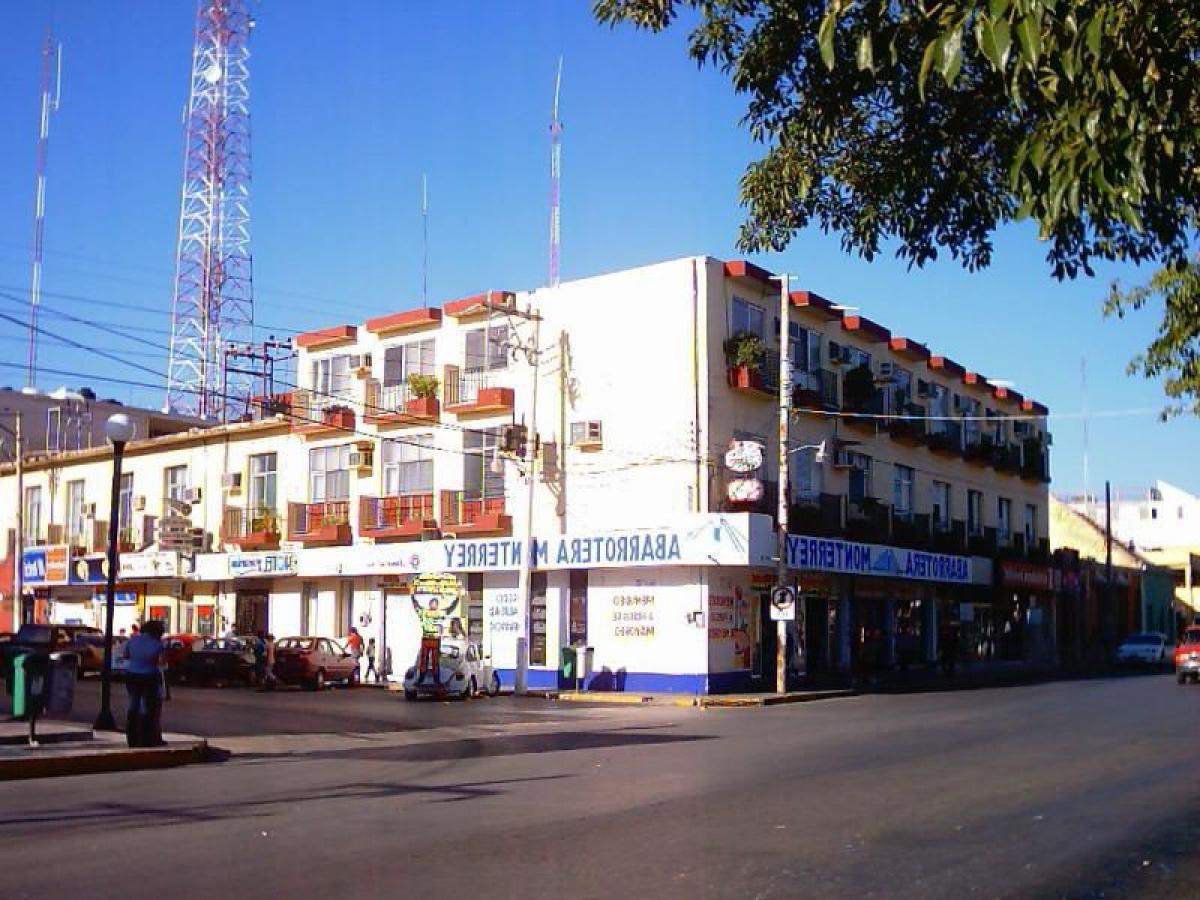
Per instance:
(424,242)
(51,62)
(1087,495)
(555,168)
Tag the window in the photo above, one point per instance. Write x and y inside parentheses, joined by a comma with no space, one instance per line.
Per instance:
(805,476)
(903,384)
(33,515)
(860,477)
(75,512)
(329,473)
(54,430)
(587,434)
(1031,534)
(262,482)
(125,507)
(479,481)
(940,497)
(902,489)
(745,316)
(331,376)
(1154,512)
(486,348)
(975,512)
(804,348)
(408,466)
(175,486)
(402,360)
(1003,516)
(859,358)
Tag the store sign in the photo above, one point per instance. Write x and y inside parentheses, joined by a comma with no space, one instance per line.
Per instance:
(46,565)
(744,457)
(152,564)
(1026,575)
(252,565)
(853,558)
(744,490)
(120,598)
(90,571)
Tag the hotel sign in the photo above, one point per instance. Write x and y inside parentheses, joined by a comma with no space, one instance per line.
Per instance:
(854,558)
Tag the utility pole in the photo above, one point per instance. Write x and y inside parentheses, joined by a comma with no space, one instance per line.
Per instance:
(781,563)
(1108,572)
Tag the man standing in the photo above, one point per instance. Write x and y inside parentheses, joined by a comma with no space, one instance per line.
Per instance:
(431,640)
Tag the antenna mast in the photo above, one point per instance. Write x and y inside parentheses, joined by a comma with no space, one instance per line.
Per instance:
(214,298)
(424,242)
(555,166)
(1087,496)
(51,63)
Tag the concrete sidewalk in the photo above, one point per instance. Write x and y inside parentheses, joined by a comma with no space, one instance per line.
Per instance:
(703,700)
(65,748)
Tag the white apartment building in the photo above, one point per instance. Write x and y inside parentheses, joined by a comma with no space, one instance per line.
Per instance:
(394,455)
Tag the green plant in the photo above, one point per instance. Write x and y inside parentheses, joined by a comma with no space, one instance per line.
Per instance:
(423,387)
(858,387)
(744,349)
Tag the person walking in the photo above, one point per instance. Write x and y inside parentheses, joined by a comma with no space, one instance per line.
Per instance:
(354,643)
(371,669)
(268,678)
(144,684)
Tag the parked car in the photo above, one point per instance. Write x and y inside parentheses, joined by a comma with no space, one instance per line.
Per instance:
(221,660)
(314,662)
(1145,648)
(1187,656)
(76,639)
(463,672)
(178,647)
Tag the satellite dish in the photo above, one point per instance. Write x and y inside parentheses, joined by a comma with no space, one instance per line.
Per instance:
(213,73)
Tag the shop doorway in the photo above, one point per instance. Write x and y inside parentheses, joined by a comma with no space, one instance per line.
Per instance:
(251,612)
(768,643)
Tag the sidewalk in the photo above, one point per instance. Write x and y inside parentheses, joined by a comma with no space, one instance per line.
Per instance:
(703,700)
(65,748)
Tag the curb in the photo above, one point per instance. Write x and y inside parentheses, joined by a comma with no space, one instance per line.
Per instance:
(59,766)
(776,700)
(612,698)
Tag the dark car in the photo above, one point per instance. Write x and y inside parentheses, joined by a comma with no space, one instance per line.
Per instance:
(221,660)
(80,640)
(313,662)
(177,648)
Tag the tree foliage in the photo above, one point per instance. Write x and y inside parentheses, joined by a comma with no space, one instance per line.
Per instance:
(930,124)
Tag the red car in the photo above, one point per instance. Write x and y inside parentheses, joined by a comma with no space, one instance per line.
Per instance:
(1187,656)
(314,662)
(178,647)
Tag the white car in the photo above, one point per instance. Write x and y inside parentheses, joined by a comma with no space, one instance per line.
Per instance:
(463,672)
(1148,648)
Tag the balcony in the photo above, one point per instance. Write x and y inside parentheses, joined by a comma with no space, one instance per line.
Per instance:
(818,515)
(816,390)
(320,524)
(1035,463)
(978,448)
(465,516)
(1006,458)
(911,429)
(983,542)
(317,414)
(397,518)
(128,540)
(912,530)
(760,380)
(399,404)
(868,520)
(92,539)
(250,529)
(474,392)
(945,437)
(950,537)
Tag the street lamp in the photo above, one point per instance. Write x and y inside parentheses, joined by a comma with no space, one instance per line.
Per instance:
(119,430)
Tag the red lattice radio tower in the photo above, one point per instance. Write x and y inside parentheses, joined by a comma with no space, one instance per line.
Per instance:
(214,297)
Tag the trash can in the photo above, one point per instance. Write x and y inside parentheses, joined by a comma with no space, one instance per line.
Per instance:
(30,682)
(569,664)
(60,684)
(584,662)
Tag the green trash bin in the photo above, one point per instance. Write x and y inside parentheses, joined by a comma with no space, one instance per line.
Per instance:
(570,664)
(30,684)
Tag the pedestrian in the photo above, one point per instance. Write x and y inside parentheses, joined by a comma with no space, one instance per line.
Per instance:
(260,657)
(232,631)
(268,682)
(144,683)
(354,643)
(371,669)
(121,633)
(134,630)
(431,639)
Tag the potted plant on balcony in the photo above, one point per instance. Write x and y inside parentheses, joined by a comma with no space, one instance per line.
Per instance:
(744,353)
(264,521)
(338,416)
(423,400)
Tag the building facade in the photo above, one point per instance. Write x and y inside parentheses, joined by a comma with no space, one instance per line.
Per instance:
(653,394)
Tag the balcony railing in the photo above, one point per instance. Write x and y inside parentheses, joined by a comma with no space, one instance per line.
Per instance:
(762,378)
(327,522)
(868,520)
(313,411)
(250,528)
(911,429)
(464,514)
(815,389)
(911,530)
(399,516)
(819,515)
(945,437)
(476,390)
(1035,463)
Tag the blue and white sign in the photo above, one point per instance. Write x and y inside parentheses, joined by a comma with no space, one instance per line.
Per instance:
(852,558)
(255,565)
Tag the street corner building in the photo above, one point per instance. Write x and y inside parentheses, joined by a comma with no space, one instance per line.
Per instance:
(615,433)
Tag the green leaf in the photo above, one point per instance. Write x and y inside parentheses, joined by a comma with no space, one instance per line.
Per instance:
(997,8)
(931,53)
(1094,31)
(866,53)
(825,38)
(951,55)
(1030,34)
(1002,38)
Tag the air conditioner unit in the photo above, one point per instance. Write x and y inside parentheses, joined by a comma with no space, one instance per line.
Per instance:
(360,360)
(841,460)
(887,373)
(923,387)
(232,482)
(587,435)
(362,460)
(193,495)
(139,503)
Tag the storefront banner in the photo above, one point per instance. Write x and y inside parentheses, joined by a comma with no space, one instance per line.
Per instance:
(120,598)
(1030,576)
(46,565)
(853,558)
(152,564)
(251,565)
(90,570)
(706,540)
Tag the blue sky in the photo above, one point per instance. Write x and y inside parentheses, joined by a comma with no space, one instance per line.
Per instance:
(353,101)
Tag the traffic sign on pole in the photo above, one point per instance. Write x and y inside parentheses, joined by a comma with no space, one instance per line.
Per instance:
(783,604)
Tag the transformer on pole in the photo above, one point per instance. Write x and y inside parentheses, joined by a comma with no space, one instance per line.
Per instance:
(214,299)
(555,164)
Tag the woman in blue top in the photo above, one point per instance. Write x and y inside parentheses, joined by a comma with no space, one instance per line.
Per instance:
(143,676)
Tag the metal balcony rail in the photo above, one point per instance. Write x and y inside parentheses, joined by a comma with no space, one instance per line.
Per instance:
(379,513)
(307,518)
(239,523)
(459,509)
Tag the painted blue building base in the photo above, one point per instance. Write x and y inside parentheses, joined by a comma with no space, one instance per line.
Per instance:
(622,681)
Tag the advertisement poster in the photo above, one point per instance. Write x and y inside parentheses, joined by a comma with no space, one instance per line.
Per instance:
(732,625)
(439,601)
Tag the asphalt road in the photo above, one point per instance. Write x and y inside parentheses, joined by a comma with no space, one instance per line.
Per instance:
(1070,789)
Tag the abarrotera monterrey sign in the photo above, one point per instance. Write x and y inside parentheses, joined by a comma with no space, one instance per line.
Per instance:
(853,558)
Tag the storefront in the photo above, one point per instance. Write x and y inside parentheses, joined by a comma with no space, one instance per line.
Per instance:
(158,578)
(1024,612)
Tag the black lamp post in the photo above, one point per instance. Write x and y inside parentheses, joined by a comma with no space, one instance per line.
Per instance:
(119,430)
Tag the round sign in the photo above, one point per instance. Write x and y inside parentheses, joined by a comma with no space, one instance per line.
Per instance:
(745,490)
(783,604)
(744,457)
